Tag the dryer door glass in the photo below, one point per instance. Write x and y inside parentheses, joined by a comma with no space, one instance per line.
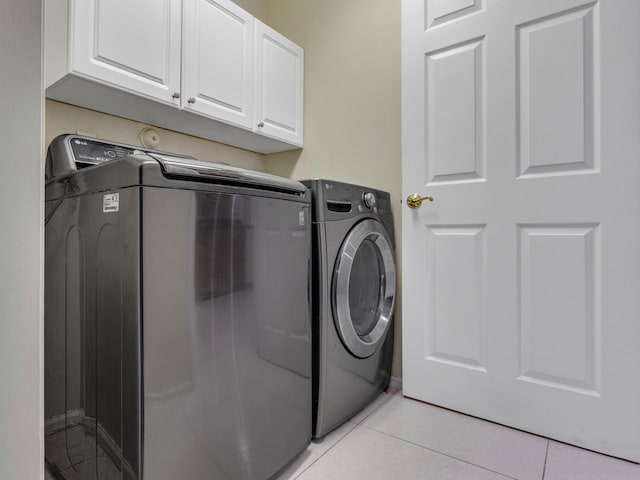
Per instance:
(364,288)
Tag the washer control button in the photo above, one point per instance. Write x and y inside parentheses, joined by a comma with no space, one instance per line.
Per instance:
(370,200)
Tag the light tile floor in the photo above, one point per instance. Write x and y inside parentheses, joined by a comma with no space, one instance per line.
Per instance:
(402,439)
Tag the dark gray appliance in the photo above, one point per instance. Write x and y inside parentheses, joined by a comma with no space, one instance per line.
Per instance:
(354,291)
(177,316)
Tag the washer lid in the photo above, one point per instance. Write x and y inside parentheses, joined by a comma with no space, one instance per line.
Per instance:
(364,288)
(178,167)
(107,165)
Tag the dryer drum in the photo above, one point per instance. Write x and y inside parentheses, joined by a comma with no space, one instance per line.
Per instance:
(364,288)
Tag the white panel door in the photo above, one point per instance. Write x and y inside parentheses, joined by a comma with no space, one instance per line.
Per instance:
(521,280)
(218,61)
(279,85)
(132,45)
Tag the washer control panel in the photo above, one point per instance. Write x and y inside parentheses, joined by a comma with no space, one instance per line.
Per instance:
(93,151)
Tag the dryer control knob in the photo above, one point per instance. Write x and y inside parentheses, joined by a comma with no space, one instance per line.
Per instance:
(370,200)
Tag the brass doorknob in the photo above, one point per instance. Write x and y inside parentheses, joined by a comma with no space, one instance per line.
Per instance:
(414,200)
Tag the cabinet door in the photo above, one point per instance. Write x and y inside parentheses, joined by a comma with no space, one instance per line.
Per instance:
(217,61)
(132,45)
(279,78)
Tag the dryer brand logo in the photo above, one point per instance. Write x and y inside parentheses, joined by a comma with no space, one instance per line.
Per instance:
(111,203)
(80,142)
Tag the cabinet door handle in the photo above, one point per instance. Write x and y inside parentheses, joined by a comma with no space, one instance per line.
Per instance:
(261,124)
(175,95)
(191,100)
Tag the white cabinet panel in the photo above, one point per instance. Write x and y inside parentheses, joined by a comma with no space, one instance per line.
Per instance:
(134,45)
(279,79)
(186,65)
(218,56)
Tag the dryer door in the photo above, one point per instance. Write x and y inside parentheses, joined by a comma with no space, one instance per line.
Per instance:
(364,286)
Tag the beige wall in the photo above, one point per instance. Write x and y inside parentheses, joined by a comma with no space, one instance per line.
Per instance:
(21,257)
(352,97)
(63,118)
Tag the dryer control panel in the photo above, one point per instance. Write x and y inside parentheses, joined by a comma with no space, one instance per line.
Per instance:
(370,200)
(338,200)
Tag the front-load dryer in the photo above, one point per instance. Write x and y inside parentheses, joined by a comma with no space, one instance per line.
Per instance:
(354,280)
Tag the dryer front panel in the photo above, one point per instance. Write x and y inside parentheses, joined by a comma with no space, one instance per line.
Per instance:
(364,288)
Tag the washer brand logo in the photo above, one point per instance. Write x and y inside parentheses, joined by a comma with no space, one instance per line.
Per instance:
(80,142)
(111,203)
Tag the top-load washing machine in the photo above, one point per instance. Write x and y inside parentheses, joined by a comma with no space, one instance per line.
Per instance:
(354,280)
(177,316)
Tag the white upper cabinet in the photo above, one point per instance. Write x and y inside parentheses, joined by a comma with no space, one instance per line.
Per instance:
(202,67)
(217,61)
(134,45)
(279,80)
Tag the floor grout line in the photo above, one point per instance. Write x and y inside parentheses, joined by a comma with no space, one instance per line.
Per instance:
(388,397)
(546,455)
(440,453)
(355,425)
